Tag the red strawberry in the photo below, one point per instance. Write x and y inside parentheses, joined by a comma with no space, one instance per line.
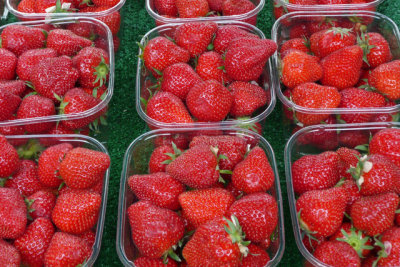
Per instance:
(50,6)
(245,57)
(210,66)
(387,142)
(159,189)
(391,247)
(54,76)
(103,43)
(311,243)
(82,29)
(14,130)
(9,255)
(227,33)
(204,205)
(8,104)
(21,38)
(154,230)
(180,140)
(322,23)
(65,42)
(312,172)
(347,158)
(67,250)
(160,53)
(247,98)
(30,58)
(27,6)
(89,237)
(108,3)
(298,30)
(353,191)
(8,64)
(25,179)
(41,204)
(256,257)
(150,262)
(112,20)
(215,5)
(330,202)
(299,67)
(196,167)
(238,7)
(97,92)
(12,213)
(254,173)
(76,211)
(192,8)
(166,7)
(337,254)
(160,156)
(34,242)
(209,101)
(82,168)
(374,214)
(342,68)
(178,79)
(314,96)
(386,79)
(35,106)
(329,41)
(376,49)
(353,138)
(9,160)
(195,37)
(16,87)
(295,43)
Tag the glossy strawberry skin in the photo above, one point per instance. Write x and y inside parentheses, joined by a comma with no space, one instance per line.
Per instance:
(353,138)
(347,158)
(8,104)
(337,254)
(380,52)
(386,79)
(9,255)
(180,140)
(256,257)
(247,98)
(294,43)
(65,42)
(392,237)
(30,58)
(43,202)
(329,41)
(166,7)
(8,64)
(25,179)
(237,7)
(227,33)
(386,142)
(12,214)
(27,6)
(9,159)
(146,262)
(210,66)
(158,156)
(16,87)
(20,38)
(82,29)
(192,8)
(112,20)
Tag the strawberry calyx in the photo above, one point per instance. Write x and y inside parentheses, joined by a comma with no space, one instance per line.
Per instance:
(237,235)
(101,72)
(29,203)
(174,155)
(363,166)
(338,30)
(214,150)
(59,8)
(363,42)
(30,150)
(3,181)
(355,239)
(170,253)
(386,248)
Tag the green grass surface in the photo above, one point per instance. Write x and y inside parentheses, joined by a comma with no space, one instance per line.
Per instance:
(125,124)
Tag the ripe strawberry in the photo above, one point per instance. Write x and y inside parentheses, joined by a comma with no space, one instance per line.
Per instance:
(16,87)
(154,230)
(112,20)
(66,250)
(146,262)
(376,49)
(8,104)
(12,213)
(30,58)
(196,167)
(41,204)
(210,66)
(54,76)
(49,164)
(103,43)
(330,202)
(76,211)
(238,7)
(21,38)
(9,255)
(353,192)
(315,96)
(34,242)
(254,173)
(311,243)
(386,142)
(385,117)
(65,42)
(43,6)
(180,140)
(25,179)
(326,42)
(386,79)
(9,160)
(337,254)
(82,29)
(322,23)
(333,2)
(82,168)
(390,240)
(342,68)
(97,92)
(312,172)
(160,157)
(299,67)
(159,189)
(192,8)
(168,108)
(14,130)
(227,33)
(89,237)
(247,98)
(8,64)
(107,3)
(209,101)
(245,57)
(298,30)
(374,214)
(195,37)
(256,257)
(204,205)
(178,79)
(353,138)
(160,53)
(300,44)
(347,158)
(27,6)
(166,7)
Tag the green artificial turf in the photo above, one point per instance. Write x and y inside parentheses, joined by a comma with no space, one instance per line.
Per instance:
(124,124)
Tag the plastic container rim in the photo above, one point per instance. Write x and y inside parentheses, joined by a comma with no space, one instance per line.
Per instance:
(296,7)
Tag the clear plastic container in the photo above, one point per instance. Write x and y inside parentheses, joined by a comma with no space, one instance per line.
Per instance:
(143,75)
(295,149)
(90,143)
(110,88)
(136,162)
(259,4)
(281,33)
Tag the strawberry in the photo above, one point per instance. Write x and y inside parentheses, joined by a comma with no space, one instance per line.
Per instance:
(247,98)
(252,141)
(8,104)
(315,96)
(97,92)
(82,168)
(30,58)
(298,30)
(347,158)
(66,250)
(27,6)
(21,38)
(112,20)
(195,37)
(215,5)
(178,79)
(13,130)
(51,6)
(300,44)
(311,243)
(82,29)
(329,41)
(312,172)
(386,79)
(196,167)
(160,157)
(154,230)
(238,7)
(76,211)
(333,2)
(254,173)
(159,189)
(376,49)
(89,237)
(107,3)
(337,254)
(386,142)
(25,179)
(353,138)
(160,53)
(256,257)
(65,42)
(166,7)
(342,68)
(103,43)
(330,202)
(180,140)
(321,23)
(35,106)
(9,160)
(353,192)
(168,108)
(209,101)
(210,66)
(192,8)
(9,255)
(227,33)
(374,214)
(390,240)
(54,76)
(245,57)
(204,205)
(150,262)
(8,64)
(12,213)
(34,242)
(49,164)
(299,67)
(16,87)
(41,204)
